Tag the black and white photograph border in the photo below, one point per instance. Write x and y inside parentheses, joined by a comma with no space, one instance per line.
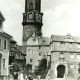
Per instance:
(39,39)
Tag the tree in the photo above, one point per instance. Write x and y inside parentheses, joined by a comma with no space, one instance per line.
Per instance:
(42,67)
(28,69)
(14,68)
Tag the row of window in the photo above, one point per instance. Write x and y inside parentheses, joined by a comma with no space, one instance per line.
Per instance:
(72,66)
(31,60)
(5,44)
(30,51)
(30,17)
(70,45)
(72,56)
(19,56)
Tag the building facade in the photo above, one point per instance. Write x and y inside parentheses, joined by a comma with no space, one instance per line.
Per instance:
(65,56)
(17,59)
(62,52)
(4,50)
(15,54)
(33,42)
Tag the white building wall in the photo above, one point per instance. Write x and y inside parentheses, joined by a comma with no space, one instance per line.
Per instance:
(5,55)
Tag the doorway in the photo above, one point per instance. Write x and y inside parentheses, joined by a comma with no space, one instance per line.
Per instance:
(60,71)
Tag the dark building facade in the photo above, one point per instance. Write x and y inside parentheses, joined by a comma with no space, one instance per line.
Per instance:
(17,59)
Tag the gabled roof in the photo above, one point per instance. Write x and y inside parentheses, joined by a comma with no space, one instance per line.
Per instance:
(1,17)
(4,34)
(67,38)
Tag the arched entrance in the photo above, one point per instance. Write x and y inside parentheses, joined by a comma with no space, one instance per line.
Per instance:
(60,71)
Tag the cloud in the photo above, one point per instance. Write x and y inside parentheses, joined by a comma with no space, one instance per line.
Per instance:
(12,11)
(63,18)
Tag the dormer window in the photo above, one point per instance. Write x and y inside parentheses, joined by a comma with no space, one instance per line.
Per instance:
(68,37)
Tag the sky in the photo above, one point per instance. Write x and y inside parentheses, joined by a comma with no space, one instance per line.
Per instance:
(60,17)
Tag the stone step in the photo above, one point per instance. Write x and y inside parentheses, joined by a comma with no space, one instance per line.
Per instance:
(64,79)
(57,79)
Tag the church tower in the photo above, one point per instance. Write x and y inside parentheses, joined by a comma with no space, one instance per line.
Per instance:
(32,19)
(32,27)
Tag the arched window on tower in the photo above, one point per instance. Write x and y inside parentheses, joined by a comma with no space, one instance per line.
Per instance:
(31,6)
(30,16)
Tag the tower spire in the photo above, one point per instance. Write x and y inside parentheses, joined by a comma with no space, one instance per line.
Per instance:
(32,5)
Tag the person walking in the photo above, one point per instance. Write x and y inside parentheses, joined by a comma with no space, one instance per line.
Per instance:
(20,76)
(26,77)
(30,77)
(15,75)
(38,77)
(11,77)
